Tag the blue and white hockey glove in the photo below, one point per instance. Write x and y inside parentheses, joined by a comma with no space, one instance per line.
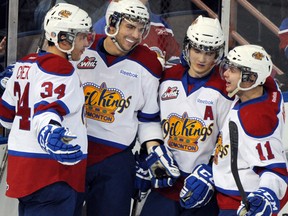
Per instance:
(54,140)
(262,202)
(162,167)
(198,188)
(4,77)
(142,181)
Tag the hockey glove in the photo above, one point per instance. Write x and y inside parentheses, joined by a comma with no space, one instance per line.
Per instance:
(54,140)
(142,181)
(4,77)
(162,167)
(198,188)
(262,202)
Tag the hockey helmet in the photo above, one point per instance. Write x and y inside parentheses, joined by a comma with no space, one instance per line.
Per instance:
(68,20)
(133,10)
(206,34)
(253,61)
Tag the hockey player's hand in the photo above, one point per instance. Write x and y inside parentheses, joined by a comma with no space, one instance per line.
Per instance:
(262,202)
(4,77)
(142,181)
(198,187)
(54,140)
(162,167)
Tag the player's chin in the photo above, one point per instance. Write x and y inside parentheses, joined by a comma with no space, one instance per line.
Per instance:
(229,89)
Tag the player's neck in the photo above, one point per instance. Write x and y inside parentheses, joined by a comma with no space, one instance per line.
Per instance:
(251,94)
(111,48)
(56,51)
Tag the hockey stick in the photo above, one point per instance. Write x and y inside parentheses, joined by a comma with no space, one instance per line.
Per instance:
(3,164)
(134,207)
(233,132)
(160,173)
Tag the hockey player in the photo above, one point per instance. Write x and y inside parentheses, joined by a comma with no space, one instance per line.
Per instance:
(121,79)
(193,106)
(159,39)
(258,113)
(42,102)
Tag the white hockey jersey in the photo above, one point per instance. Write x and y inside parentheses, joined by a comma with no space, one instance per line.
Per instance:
(120,99)
(261,156)
(43,87)
(192,112)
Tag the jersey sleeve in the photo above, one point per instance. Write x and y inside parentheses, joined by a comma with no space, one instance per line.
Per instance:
(149,114)
(54,91)
(7,106)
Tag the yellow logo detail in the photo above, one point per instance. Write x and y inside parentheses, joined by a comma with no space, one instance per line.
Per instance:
(64,13)
(258,55)
(184,132)
(102,103)
(221,150)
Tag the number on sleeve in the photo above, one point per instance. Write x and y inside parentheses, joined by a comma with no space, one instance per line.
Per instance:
(270,155)
(48,90)
(23,109)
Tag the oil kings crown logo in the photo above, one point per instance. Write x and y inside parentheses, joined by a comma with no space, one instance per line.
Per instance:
(87,63)
(103,103)
(185,132)
(170,93)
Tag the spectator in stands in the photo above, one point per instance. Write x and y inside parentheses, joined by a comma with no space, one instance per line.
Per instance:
(2,51)
(282,80)
(3,46)
(160,38)
(283,36)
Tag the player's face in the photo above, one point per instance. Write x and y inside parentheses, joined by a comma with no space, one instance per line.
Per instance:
(82,41)
(232,75)
(130,33)
(201,62)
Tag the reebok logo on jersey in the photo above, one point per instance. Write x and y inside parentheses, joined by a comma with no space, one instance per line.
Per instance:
(127,73)
(209,102)
(170,93)
(87,63)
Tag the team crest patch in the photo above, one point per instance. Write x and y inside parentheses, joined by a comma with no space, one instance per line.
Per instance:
(258,55)
(64,13)
(87,63)
(170,93)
